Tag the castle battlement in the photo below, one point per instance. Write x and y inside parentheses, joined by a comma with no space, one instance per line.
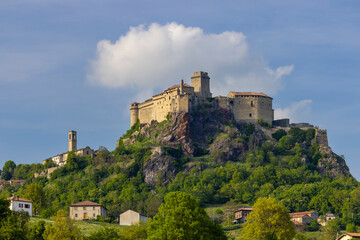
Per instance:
(246,106)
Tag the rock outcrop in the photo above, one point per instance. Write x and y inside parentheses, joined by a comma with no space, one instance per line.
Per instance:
(158,170)
(331,163)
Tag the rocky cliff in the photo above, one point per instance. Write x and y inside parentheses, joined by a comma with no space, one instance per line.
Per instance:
(211,132)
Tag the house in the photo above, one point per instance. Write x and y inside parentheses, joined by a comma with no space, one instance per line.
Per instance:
(18,204)
(300,218)
(87,210)
(17,182)
(131,217)
(241,214)
(329,216)
(323,221)
(348,236)
(304,217)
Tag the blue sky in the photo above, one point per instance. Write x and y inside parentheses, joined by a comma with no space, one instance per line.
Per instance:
(63,65)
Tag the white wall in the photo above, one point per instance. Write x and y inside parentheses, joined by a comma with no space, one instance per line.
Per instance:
(21,205)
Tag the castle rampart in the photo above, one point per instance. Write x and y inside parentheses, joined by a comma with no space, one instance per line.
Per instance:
(246,106)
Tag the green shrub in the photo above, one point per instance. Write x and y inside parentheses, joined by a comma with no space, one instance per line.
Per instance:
(279,134)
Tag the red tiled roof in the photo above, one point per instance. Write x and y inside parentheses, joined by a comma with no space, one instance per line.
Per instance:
(300,214)
(85,203)
(15,181)
(248,94)
(354,235)
(16,198)
(178,86)
(245,209)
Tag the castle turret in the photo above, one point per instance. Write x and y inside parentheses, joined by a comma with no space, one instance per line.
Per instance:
(72,141)
(201,83)
(134,113)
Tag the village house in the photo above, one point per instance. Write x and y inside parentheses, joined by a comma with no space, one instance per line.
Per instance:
(131,217)
(87,210)
(348,236)
(17,182)
(241,214)
(323,221)
(20,204)
(303,217)
(60,159)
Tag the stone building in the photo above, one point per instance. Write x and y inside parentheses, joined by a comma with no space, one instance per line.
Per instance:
(241,214)
(304,217)
(20,204)
(131,217)
(87,210)
(246,106)
(60,159)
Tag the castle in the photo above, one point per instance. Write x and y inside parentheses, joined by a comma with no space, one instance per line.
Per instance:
(245,106)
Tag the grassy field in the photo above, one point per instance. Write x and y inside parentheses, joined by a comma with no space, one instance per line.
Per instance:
(86,227)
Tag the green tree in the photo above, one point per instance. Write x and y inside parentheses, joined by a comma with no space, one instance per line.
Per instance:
(332,229)
(36,194)
(8,170)
(351,227)
(4,209)
(63,228)
(270,220)
(106,233)
(15,226)
(279,134)
(314,225)
(36,232)
(180,217)
(135,231)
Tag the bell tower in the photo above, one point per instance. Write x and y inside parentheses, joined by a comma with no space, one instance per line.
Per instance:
(72,140)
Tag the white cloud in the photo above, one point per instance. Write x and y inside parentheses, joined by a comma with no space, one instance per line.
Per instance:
(296,112)
(161,55)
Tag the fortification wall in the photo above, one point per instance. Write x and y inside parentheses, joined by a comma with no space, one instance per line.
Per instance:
(265,111)
(246,106)
(321,137)
(252,108)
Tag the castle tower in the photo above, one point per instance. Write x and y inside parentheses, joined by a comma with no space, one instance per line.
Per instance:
(134,113)
(72,140)
(201,83)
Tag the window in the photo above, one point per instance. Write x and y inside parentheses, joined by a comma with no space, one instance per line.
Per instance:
(94,215)
(250,114)
(27,205)
(84,208)
(252,103)
(70,136)
(93,208)
(75,208)
(21,205)
(75,214)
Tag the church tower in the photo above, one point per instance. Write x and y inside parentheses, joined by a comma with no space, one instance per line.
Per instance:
(72,140)
(201,83)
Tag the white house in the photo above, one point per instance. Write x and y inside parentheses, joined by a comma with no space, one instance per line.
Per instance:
(18,204)
(131,217)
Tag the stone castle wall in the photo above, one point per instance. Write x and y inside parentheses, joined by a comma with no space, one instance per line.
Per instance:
(246,106)
(321,137)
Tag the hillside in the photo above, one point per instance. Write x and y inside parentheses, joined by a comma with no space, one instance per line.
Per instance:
(205,154)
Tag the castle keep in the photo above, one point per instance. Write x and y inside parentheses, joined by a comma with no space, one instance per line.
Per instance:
(245,106)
